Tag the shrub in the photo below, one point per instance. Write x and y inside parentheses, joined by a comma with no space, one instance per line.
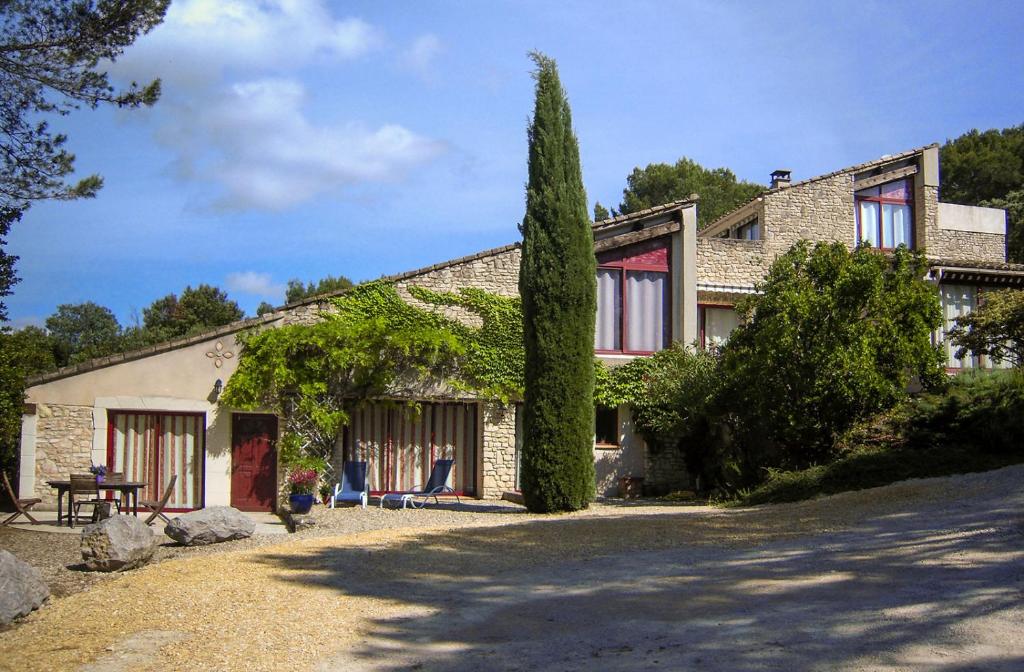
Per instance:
(833,338)
(995,328)
(975,424)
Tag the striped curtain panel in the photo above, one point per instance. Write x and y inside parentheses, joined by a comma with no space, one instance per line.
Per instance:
(400,445)
(153,447)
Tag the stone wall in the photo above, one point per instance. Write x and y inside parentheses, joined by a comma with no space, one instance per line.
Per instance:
(818,210)
(728,261)
(967,245)
(665,472)
(63,446)
(495,273)
(304,314)
(942,243)
(499,455)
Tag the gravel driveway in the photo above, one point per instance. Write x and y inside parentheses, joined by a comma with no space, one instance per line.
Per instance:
(919,575)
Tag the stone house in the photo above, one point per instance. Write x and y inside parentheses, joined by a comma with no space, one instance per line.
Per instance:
(153,413)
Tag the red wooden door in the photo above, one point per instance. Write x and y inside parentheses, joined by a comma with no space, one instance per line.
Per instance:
(253,462)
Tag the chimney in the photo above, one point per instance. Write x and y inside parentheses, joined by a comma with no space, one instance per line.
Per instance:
(780,178)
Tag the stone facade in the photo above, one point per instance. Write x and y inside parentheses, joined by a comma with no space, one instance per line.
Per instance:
(821,209)
(63,445)
(726,261)
(967,245)
(499,455)
(665,471)
(942,243)
(306,313)
(497,273)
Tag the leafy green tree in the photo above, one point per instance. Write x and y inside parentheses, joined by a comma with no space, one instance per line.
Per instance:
(297,291)
(557,282)
(600,212)
(8,278)
(995,328)
(83,331)
(658,183)
(50,54)
(834,337)
(1013,203)
(23,353)
(987,168)
(196,310)
(264,308)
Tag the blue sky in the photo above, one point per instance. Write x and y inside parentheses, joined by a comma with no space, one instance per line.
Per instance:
(300,139)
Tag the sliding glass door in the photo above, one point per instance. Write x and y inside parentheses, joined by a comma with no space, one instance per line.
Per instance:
(153,448)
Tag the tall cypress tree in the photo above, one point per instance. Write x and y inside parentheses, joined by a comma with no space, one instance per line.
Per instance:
(557,281)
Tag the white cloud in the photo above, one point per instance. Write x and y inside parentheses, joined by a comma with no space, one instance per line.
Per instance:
(256,284)
(201,39)
(420,56)
(234,109)
(255,140)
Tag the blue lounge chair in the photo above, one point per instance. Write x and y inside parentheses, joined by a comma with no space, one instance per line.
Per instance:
(436,485)
(353,487)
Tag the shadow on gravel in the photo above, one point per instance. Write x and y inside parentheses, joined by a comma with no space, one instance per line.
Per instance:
(742,589)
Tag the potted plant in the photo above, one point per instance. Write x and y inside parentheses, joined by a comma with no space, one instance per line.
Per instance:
(99,471)
(301,483)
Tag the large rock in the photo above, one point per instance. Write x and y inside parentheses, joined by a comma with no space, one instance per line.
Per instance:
(296,522)
(21,588)
(211,525)
(117,543)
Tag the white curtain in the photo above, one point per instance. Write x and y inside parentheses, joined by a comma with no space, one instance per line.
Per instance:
(868,214)
(887,233)
(401,445)
(609,309)
(718,325)
(901,225)
(646,303)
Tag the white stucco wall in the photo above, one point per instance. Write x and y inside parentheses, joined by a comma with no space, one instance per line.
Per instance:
(181,380)
(626,460)
(953,217)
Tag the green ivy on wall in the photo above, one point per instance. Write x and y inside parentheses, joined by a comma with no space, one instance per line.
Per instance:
(374,345)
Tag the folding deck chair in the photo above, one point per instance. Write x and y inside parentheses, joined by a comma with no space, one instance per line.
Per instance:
(435,486)
(354,486)
(157,505)
(21,506)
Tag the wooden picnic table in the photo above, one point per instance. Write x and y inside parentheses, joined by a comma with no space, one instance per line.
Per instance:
(129,493)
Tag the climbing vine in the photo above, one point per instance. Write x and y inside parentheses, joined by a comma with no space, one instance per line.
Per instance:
(374,345)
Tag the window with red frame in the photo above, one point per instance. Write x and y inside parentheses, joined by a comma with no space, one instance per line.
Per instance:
(153,447)
(633,299)
(885,215)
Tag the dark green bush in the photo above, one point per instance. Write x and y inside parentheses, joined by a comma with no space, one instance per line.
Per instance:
(833,338)
(975,424)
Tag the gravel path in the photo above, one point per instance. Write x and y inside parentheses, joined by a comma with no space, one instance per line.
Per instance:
(919,575)
(58,556)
